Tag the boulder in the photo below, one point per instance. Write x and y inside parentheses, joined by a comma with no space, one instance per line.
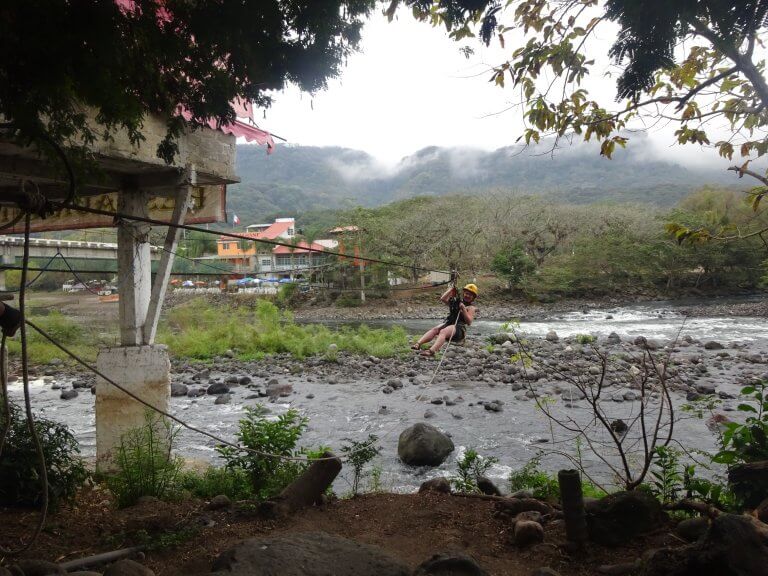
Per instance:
(68,394)
(513,506)
(487,486)
(619,517)
(306,554)
(423,445)
(217,388)
(33,567)
(223,399)
(713,345)
(732,546)
(552,336)
(440,484)
(528,532)
(395,383)
(614,338)
(705,388)
(178,389)
(449,565)
(277,390)
(128,568)
(219,502)
(691,529)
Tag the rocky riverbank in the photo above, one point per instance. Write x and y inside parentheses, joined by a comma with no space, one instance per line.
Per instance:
(484,394)
(393,309)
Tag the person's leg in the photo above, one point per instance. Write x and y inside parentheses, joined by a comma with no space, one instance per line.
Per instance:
(429,335)
(10,320)
(444,334)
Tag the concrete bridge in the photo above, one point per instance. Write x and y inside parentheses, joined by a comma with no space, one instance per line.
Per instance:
(13,247)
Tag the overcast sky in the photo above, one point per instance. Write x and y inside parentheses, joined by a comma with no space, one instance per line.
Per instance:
(410,87)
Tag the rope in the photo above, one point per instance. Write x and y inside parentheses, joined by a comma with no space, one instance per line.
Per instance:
(452,281)
(42,469)
(179,421)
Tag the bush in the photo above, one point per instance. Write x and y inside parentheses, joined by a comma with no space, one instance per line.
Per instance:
(232,482)
(201,331)
(145,466)
(544,485)
(585,339)
(19,477)
(360,454)
(747,442)
(531,478)
(470,468)
(268,474)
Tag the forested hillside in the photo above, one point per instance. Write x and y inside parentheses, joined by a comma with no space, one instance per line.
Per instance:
(297,179)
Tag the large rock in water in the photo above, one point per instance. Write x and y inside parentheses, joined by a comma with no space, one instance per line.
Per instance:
(423,445)
(306,554)
(618,518)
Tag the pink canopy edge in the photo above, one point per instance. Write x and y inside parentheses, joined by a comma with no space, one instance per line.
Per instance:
(243,109)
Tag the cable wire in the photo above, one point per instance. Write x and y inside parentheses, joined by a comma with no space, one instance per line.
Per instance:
(168,415)
(156,222)
(42,468)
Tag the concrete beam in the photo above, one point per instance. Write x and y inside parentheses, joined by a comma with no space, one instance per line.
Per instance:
(133,268)
(183,196)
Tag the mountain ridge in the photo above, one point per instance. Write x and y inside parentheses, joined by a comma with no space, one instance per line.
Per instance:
(298,179)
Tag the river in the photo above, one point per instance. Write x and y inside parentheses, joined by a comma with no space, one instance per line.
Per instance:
(346,402)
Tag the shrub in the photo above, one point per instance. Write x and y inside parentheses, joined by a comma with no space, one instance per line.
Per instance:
(145,466)
(585,339)
(268,474)
(232,482)
(666,477)
(360,454)
(531,478)
(747,442)
(544,485)
(19,477)
(200,331)
(470,468)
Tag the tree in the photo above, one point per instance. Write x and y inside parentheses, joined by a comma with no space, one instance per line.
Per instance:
(125,59)
(513,265)
(687,62)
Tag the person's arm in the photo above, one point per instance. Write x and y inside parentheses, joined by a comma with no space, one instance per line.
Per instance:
(448,294)
(467,313)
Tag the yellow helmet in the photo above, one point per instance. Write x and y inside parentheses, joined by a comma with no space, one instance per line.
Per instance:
(471,288)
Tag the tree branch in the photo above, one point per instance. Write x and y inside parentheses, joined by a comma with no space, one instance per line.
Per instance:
(740,170)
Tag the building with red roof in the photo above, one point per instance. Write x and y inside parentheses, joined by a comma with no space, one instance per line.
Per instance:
(266,259)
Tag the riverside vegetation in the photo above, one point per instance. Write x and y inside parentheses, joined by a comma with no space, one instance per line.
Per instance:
(202,331)
(547,250)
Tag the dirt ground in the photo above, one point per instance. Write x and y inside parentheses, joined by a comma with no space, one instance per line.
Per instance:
(410,527)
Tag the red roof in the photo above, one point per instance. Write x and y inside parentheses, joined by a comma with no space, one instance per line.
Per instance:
(270,233)
(301,247)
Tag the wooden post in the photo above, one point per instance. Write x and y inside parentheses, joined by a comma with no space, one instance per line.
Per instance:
(167,259)
(307,489)
(573,506)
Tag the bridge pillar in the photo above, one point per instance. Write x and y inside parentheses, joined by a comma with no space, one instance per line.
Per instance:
(142,369)
(9,260)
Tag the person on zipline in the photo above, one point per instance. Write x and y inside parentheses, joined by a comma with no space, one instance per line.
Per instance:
(454,328)
(10,320)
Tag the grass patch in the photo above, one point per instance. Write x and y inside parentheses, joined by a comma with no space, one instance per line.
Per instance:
(198,330)
(63,329)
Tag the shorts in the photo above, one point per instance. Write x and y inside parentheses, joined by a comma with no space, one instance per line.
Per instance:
(459,334)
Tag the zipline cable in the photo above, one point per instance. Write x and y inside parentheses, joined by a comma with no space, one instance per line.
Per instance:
(155,222)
